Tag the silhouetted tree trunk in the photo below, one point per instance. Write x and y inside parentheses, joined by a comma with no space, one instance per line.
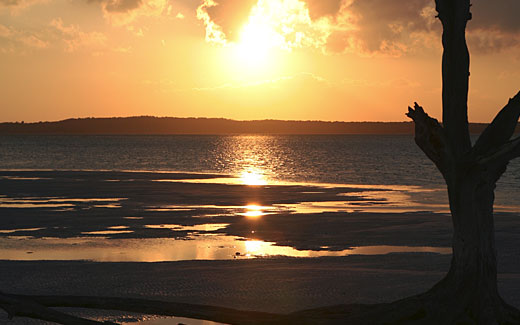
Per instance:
(469,292)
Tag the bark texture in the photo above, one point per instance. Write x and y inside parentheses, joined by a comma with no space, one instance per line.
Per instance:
(469,291)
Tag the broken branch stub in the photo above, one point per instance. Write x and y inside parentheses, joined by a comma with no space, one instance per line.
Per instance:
(429,136)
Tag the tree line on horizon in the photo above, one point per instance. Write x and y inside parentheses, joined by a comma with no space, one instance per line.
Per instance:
(174,125)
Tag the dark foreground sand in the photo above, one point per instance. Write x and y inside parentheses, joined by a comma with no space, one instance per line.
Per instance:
(273,285)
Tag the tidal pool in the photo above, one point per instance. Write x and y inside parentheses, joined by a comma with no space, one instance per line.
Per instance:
(195,247)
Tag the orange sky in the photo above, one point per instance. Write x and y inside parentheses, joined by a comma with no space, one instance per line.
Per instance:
(346,60)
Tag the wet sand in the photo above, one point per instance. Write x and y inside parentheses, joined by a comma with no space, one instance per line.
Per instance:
(68,204)
(271,285)
(136,206)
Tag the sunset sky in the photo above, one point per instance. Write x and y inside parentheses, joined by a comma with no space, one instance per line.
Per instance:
(344,60)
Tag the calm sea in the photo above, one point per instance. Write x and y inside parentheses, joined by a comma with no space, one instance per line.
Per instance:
(340,159)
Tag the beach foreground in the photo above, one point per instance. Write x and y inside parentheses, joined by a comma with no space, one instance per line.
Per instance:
(279,285)
(211,240)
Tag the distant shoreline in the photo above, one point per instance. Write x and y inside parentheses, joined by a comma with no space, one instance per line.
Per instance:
(148,125)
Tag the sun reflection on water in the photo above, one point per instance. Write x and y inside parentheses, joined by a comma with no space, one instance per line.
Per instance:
(254,211)
(200,247)
(253,177)
(254,247)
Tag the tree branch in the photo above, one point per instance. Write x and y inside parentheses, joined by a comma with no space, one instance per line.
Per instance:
(503,154)
(500,130)
(455,73)
(154,307)
(429,136)
(20,306)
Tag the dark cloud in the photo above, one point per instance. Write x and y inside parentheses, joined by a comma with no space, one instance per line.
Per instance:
(383,26)
(320,8)
(387,22)
(407,25)
(122,5)
(484,41)
(118,5)
(231,15)
(503,15)
(378,14)
(495,26)
(339,41)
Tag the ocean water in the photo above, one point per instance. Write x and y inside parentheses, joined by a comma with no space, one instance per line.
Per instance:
(338,159)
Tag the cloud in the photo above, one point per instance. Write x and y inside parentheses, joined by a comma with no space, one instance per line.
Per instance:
(502,15)
(118,5)
(19,3)
(122,5)
(16,6)
(33,41)
(487,41)
(387,27)
(74,38)
(495,26)
(364,27)
(5,31)
(9,2)
(229,15)
(13,40)
(124,12)
(404,26)
(320,8)
(214,32)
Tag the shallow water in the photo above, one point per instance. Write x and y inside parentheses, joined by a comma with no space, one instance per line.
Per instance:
(197,247)
(53,215)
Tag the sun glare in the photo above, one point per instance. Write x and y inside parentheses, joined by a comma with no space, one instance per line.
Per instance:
(255,247)
(252,50)
(252,178)
(257,42)
(270,29)
(253,211)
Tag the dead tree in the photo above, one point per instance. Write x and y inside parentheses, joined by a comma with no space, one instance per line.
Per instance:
(469,290)
(468,294)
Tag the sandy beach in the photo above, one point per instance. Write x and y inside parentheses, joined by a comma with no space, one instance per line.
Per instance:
(46,212)
(279,285)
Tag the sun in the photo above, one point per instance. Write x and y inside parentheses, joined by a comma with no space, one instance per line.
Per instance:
(258,42)
(265,34)
(272,30)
